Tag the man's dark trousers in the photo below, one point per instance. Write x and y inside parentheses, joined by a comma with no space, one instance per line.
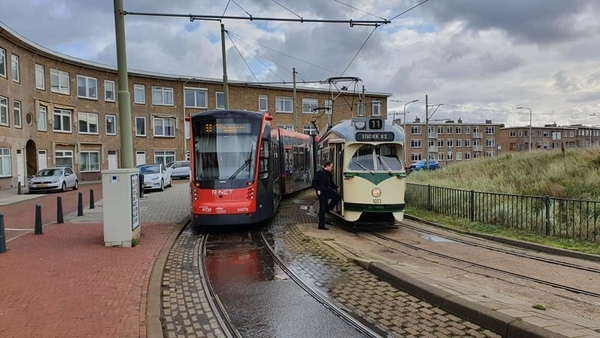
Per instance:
(325,205)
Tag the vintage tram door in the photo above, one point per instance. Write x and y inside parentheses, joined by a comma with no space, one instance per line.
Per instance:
(336,154)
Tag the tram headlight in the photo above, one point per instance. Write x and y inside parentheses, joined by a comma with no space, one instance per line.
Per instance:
(376,192)
(360,124)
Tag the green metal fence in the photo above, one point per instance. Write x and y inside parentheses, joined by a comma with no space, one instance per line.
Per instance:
(560,217)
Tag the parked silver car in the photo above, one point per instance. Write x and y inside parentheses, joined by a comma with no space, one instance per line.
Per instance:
(53,179)
(179,169)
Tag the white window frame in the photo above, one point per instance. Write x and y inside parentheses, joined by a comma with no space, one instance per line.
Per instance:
(17,114)
(87,117)
(328,107)
(94,167)
(162,132)
(167,156)
(114,118)
(61,154)
(145,132)
(107,92)
(162,96)
(60,82)
(62,113)
(42,118)
(3,62)
(217,95)
(286,126)
(309,130)
(15,68)
(90,92)
(195,92)
(40,80)
(263,103)
(139,89)
(416,143)
(283,101)
(376,108)
(309,104)
(5,163)
(4,116)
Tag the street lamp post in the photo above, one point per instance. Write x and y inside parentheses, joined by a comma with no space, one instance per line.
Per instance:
(404,126)
(529,124)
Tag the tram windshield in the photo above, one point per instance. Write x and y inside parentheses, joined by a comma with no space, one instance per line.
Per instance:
(225,149)
(376,158)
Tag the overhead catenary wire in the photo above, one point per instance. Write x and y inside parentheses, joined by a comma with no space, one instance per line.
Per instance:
(358,9)
(361,47)
(266,67)
(243,59)
(287,9)
(410,9)
(226,6)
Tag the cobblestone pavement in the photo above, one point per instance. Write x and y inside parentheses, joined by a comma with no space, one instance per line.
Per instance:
(361,292)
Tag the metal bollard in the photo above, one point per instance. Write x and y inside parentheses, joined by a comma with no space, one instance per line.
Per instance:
(92,206)
(38,219)
(19,188)
(2,237)
(59,211)
(141,181)
(80,205)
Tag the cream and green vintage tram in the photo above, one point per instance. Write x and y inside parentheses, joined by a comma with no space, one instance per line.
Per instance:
(367,153)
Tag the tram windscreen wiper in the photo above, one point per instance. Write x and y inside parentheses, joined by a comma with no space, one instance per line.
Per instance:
(380,158)
(362,166)
(246,163)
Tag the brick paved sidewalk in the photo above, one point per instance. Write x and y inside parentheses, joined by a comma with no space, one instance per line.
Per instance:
(66,283)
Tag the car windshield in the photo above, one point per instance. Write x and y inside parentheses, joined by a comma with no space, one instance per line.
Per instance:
(375,157)
(150,169)
(49,172)
(181,164)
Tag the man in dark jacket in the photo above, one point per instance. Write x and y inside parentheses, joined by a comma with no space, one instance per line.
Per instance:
(326,190)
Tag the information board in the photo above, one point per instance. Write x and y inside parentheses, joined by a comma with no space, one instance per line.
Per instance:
(374,136)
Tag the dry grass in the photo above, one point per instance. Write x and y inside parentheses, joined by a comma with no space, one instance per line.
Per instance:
(574,174)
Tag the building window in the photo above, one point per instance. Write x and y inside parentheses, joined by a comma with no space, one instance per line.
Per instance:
(490,130)
(376,106)
(87,87)
(140,126)
(40,81)
(262,103)
(88,123)
(416,144)
(43,118)
(459,156)
(450,130)
(309,104)
(164,127)
(18,118)
(89,161)
(283,104)
(2,62)
(62,120)
(490,142)
(328,107)
(440,143)
(458,131)
(195,98)
(309,130)
(162,96)
(458,143)
(59,82)
(220,96)
(164,156)
(467,143)
(467,131)
(139,94)
(416,130)
(64,158)
(285,126)
(16,72)
(109,91)
(111,124)
(361,108)
(3,111)
(467,156)
(5,163)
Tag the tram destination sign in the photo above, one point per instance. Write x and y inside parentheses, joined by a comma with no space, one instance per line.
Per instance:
(374,136)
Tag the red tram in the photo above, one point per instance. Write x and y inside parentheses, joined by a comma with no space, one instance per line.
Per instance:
(241,167)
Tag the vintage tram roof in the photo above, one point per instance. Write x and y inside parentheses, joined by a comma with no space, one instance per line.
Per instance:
(346,130)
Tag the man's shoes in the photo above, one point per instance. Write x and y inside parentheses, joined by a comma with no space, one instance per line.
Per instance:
(323,228)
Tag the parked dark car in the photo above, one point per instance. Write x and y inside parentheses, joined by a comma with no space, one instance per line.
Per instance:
(421,164)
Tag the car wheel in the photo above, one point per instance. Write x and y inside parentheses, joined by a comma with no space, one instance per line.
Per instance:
(162,185)
(76,186)
(64,187)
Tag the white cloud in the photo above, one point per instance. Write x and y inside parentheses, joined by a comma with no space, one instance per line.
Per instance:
(480,58)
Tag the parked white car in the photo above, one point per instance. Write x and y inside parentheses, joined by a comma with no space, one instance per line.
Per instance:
(156,176)
(179,169)
(53,179)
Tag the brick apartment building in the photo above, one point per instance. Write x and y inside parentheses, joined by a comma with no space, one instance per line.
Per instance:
(57,110)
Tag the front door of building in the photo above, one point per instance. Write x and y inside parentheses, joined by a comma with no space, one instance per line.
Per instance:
(42,159)
(140,157)
(113,161)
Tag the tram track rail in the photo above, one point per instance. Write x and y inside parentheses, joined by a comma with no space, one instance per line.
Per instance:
(217,307)
(487,267)
(503,250)
(357,323)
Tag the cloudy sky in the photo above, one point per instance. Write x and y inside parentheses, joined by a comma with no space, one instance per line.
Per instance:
(479,59)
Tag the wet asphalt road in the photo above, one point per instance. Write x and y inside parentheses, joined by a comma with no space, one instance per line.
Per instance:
(262,300)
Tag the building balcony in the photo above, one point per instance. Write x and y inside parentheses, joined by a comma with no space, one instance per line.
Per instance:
(477,135)
(477,148)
